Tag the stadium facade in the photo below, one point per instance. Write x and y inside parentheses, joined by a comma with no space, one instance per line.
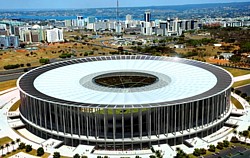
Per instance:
(125,102)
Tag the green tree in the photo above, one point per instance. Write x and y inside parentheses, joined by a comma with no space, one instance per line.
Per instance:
(243,95)
(21,146)
(226,143)
(220,145)
(235,58)
(28,148)
(13,144)
(211,148)
(203,151)
(44,61)
(181,154)
(40,151)
(56,155)
(197,152)
(2,147)
(7,146)
(18,141)
(245,134)
(76,156)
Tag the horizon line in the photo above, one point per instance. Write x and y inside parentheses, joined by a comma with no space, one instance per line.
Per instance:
(121,6)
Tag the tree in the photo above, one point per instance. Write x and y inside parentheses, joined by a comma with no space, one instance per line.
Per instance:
(226,143)
(243,95)
(40,151)
(2,147)
(245,134)
(7,146)
(234,139)
(203,151)
(232,89)
(248,128)
(181,154)
(220,145)
(44,61)
(235,58)
(13,143)
(28,64)
(84,156)
(237,91)
(18,141)
(21,146)
(211,148)
(56,155)
(197,152)
(28,148)
(76,156)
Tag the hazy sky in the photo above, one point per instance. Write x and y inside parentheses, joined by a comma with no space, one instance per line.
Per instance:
(50,4)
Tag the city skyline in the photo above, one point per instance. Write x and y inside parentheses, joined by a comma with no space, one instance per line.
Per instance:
(77,4)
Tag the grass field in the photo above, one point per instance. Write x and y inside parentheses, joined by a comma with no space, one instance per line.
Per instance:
(5,140)
(237,72)
(33,152)
(236,103)
(15,106)
(7,85)
(241,83)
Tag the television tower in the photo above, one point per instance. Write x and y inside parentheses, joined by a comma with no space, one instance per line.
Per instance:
(117,6)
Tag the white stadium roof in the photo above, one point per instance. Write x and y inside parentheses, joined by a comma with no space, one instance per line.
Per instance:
(186,81)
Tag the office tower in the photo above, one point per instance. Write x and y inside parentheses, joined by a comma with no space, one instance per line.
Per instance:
(147,16)
(80,21)
(9,41)
(55,35)
(128,17)
(91,20)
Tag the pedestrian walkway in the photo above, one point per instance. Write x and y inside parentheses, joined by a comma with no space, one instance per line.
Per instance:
(241,78)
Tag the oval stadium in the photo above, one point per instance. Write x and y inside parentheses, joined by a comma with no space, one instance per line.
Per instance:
(125,102)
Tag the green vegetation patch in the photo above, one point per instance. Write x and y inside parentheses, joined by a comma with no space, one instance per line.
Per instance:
(237,72)
(237,104)
(7,85)
(5,140)
(15,106)
(241,83)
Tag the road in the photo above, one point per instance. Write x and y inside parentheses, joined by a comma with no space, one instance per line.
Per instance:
(245,89)
(8,77)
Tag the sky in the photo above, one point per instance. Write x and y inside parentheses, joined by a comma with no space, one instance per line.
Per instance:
(61,4)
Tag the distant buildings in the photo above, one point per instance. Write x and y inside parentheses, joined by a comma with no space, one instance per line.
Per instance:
(54,35)
(9,41)
(147,16)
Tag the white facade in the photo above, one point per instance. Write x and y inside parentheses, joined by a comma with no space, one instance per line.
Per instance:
(54,35)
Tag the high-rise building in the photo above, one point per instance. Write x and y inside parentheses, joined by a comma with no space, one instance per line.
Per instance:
(9,41)
(55,35)
(128,17)
(147,16)
(91,20)
(80,21)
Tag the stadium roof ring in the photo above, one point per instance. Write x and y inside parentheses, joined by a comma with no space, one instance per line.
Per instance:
(122,100)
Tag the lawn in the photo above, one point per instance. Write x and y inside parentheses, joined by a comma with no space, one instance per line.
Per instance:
(15,106)
(241,83)
(33,152)
(236,103)
(237,72)
(7,85)
(5,140)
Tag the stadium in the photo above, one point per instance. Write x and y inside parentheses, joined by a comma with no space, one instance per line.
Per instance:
(125,102)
